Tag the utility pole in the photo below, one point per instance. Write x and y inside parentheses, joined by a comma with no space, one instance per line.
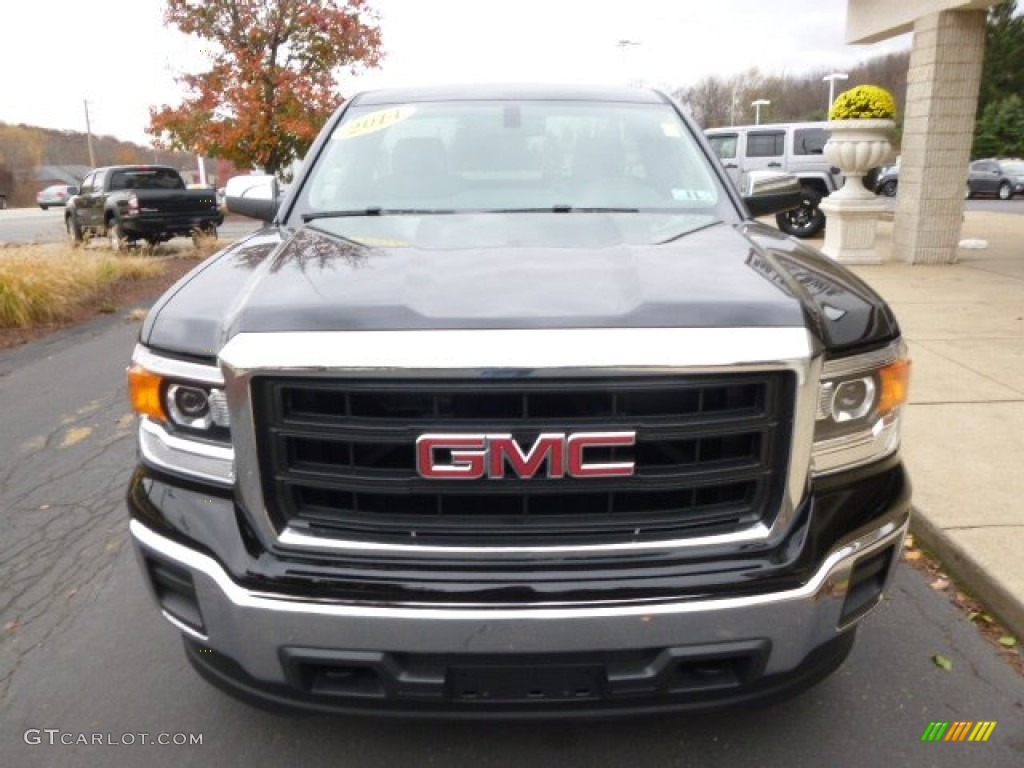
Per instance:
(88,133)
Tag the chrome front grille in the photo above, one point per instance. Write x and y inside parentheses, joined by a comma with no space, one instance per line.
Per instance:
(337,457)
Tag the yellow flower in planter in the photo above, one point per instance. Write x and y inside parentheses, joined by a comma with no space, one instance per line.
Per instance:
(863,102)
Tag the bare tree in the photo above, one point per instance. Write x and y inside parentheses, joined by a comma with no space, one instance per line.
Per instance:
(719,101)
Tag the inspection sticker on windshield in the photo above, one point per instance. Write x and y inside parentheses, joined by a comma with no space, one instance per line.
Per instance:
(671,129)
(698,195)
(375,121)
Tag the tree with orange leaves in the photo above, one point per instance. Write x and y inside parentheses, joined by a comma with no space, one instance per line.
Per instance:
(273,81)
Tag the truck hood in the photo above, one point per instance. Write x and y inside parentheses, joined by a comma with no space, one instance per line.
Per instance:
(721,275)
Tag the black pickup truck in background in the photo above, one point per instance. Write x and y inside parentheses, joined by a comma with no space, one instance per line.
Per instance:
(127,203)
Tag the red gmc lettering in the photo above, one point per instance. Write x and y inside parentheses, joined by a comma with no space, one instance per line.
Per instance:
(475,456)
(466,465)
(504,448)
(582,440)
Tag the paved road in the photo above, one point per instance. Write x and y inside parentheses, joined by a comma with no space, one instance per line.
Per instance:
(83,650)
(21,225)
(25,225)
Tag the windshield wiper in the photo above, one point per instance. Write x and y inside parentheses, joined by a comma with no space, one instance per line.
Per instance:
(372,211)
(379,211)
(561,208)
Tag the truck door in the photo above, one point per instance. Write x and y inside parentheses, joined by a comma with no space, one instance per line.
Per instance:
(89,207)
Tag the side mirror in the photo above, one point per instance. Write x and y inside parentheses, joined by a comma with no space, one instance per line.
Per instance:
(768,192)
(257,197)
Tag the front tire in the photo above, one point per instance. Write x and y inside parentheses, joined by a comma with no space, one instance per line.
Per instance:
(1005,191)
(889,188)
(42,206)
(807,220)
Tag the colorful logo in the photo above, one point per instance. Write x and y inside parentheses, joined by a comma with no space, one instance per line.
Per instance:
(960,730)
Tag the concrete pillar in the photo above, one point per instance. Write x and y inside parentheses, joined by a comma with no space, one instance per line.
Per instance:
(942,95)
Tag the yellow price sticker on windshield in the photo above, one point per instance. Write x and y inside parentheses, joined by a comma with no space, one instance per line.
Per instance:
(375,121)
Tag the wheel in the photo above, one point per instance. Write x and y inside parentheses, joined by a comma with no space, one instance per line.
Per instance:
(889,188)
(805,221)
(150,247)
(74,231)
(1005,191)
(115,235)
(42,206)
(205,235)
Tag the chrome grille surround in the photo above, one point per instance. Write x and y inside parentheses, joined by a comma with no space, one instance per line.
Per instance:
(541,353)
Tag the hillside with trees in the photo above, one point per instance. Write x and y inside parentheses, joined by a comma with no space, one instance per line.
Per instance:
(999,131)
(32,158)
(721,101)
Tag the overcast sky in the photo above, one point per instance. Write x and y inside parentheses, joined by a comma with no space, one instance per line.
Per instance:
(117,55)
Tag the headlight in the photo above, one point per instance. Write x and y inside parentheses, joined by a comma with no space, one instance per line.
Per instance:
(185,416)
(860,404)
(196,407)
(179,394)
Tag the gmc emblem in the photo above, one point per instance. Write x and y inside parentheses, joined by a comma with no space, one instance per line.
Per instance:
(470,457)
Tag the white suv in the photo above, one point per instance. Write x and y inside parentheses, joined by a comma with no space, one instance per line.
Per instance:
(795,148)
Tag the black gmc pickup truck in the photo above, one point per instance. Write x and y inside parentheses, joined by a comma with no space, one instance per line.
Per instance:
(127,203)
(513,410)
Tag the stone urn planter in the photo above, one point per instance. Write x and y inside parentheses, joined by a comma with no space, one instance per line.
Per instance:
(855,147)
(860,125)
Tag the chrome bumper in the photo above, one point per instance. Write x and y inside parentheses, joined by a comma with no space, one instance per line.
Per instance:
(251,628)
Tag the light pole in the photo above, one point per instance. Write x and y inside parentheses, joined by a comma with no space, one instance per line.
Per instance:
(831,80)
(757,104)
(622,45)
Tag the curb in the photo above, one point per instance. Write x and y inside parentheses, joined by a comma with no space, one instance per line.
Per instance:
(1006,606)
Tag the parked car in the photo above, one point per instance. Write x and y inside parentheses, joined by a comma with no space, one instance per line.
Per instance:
(887,181)
(1001,178)
(127,203)
(56,195)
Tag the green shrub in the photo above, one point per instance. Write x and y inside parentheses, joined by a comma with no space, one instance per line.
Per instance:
(863,102)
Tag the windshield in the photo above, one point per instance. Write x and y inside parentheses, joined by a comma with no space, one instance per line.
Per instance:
(1014,168)
(536,157)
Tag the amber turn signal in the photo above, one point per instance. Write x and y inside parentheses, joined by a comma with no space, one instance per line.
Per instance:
(145,393)
(895,385)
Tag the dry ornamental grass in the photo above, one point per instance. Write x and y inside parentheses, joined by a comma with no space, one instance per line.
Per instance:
(45,284)
(44,288)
